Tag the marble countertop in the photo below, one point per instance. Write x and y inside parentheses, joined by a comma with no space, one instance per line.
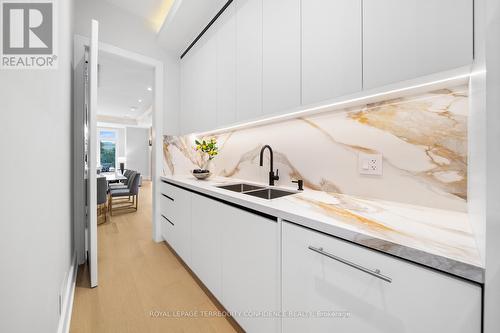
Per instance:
(440,239)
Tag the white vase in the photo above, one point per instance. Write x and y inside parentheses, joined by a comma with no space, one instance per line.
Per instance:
(208,165)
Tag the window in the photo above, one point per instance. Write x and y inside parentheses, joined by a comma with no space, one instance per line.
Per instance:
(107,145)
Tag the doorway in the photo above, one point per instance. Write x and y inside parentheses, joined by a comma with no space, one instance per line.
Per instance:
(150,121)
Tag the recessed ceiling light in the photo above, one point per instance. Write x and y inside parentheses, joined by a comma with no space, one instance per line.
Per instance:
(150,89)
(133,108)
(140,100)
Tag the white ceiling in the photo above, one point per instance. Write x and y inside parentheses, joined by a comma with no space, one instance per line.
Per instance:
(178,22)
(153,11)
(142,8)
(185,20)
(122,83)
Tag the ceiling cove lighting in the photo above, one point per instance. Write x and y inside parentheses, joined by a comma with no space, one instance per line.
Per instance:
(160,13)
(342,104)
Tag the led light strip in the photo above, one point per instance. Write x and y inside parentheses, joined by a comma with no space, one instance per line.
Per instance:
(453,80)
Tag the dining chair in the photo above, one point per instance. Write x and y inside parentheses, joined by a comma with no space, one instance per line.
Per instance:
(124,184)
(102,197)
(132,191)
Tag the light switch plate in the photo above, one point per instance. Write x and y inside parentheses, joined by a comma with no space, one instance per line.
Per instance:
(370,164)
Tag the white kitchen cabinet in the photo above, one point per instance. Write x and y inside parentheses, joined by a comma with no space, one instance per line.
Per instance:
(235,253)
(182,224)
(281,55)
(248,59)
(205,112)
(417,300)
(175,210)
(331,49)
(206,261)
(187,96)
(226,66)
(198,86)
(168,212)
(251,268)
(167,230)
(404,39)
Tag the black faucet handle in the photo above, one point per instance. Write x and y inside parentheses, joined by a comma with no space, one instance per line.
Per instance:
(277,176)
(300,183)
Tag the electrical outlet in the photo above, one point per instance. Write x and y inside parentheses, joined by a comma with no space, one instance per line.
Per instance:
(370,164)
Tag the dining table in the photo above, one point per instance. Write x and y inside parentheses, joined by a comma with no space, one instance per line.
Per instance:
(113,177)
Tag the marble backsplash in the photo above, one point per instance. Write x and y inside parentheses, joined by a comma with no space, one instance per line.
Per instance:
(423,140)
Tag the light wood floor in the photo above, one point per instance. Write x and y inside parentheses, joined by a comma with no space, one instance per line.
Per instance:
(137,276)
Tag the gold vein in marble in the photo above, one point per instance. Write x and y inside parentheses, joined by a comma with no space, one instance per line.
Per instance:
(331,138)
(167,157)
(350,210)
(435,123)
(345,215)
(442,133)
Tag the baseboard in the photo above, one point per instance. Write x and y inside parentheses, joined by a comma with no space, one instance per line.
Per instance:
(67,306)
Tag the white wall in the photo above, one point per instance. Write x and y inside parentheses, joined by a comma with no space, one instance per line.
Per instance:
(484,152)
(124,30)
(476,194)
(35,202)
(492,285)
(138,151)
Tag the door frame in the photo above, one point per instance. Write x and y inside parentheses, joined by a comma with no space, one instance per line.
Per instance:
(80,42)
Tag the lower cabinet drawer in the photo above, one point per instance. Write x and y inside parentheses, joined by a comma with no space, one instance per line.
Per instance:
(175,210)
(330,285)
(168,230)
(167,189)
(167,206)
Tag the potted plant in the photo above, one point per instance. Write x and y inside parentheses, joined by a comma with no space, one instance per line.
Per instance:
(208,148)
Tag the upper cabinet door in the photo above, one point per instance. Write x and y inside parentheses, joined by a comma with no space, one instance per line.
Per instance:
(226,67)
(404,39)
(281,55)
(248,59)
(331,49)
(186,115)
(198,86)
(205,57)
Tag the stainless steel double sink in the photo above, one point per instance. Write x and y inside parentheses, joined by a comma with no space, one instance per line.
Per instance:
(257,191)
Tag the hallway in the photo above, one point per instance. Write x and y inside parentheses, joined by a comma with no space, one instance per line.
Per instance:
(136,277)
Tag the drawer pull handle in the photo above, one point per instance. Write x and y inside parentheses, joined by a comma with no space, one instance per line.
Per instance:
(375,272)
(167,220)
(166,196)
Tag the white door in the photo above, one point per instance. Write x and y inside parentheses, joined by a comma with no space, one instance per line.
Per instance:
(91,154)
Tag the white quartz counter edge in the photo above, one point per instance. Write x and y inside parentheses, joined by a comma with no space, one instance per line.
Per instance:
(441,263)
